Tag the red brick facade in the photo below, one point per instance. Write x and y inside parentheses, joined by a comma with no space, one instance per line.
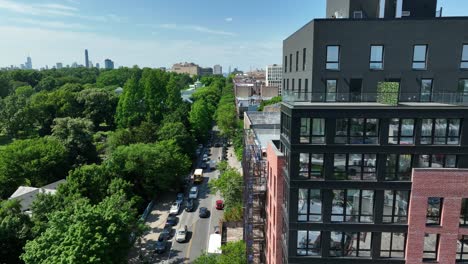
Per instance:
(275,163)
(452,185)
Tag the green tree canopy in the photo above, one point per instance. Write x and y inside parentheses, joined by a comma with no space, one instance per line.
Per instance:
(230,185)
(177,132)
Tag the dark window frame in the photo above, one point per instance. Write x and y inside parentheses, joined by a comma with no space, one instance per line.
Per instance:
(297,61)
(464,217)
(435,251)
(293,84)
(290,62)
(393,216)
(350,140)
(348,169)
(395,174)
(299,85)
(331,96)
(307,248)
(431,160)
(399,135)
(381,62)
(286,63)
(462,254)
(421,95)
(344,250)
(391,245)
(360,217)
(436,218)
(313,138)
(304,59)
(306,85)
(415,62)
(433,139)
(311,172)
(330,63)
(309,215)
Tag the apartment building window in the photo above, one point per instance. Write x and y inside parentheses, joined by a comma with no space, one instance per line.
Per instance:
(398,167)
(463,90)
(462,249)
(284,83)
(285,125)
(426,90)
(464,212)
(396,204)
(299,85)
(434,210)
(331,91)
(287,84)
(309,205)
(419,57)
(311,166)
(297,60)
(464,60)
(393,245)
(290,62)
(355,167)
(292,84)
(308,243)
(358,14)
(376,57)
(333,58)
(306,85)
(312,130)
(285,63)
(353,206)
(401,131)
(437,161)
(304,58)
(440,131)
(357,131)
(355,244)
(431,246)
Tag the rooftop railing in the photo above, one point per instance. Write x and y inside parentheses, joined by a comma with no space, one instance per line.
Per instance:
(399,98)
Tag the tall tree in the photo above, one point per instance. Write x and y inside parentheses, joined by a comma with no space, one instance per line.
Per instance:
(230,184)
(131,106)
(154,86)
(177,132)
(16,119)
(200,119)
(98,105)
(174,98)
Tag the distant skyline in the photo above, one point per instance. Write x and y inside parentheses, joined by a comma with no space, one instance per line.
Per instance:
(157,33)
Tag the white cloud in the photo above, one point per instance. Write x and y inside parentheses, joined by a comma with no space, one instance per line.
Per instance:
(228,19)
(58,6)
(49,24)
(196,28)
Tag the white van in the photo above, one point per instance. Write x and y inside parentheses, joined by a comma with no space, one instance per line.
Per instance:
(193,194)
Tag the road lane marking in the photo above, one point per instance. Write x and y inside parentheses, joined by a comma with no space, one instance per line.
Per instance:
(187,255)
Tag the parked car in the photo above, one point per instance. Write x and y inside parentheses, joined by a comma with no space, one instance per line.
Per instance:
(180,198)
(217,145)
(166,233)
(203,212)
(181,235)
(160,246)
(190,205)
(219,204)
(203,165)
(172,220)
(175,207)
(193,194)
(205,157)
(200,146)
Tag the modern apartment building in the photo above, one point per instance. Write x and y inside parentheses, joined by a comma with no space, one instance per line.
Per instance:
(108,64)
(187,68)
(373,125)
(274,76)
(217,70)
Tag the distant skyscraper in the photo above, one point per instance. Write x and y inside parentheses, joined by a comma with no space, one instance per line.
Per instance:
(97,65)
(86,58)
(274,76)
(59,65)
(28,64)
(108,64)
(217,69)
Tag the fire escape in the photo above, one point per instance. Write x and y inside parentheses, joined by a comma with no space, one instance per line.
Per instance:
(254,170)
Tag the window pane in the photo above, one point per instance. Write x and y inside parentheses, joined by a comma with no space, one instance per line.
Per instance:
(463,86)
(365,240)
(305,130)
(465,53)
(369,170)
(426,131)
(302,243)
(426,90)
(315,206)
(340,167)
(434,210)
(437,161)
(419,53)
(337,206)
(367,206)
(336,239)
(372,127)
(385,244)
(424,161)
(393,129)
(331,90)
(440,127)
(419,65)
(357,130)
(318,127)
(304,165)
(376,53)
(391,167)
(430,246)
(404,167)
(464,213)
(352,206)
(302,205)
(454,132)
(407,127)
(341,131)
(316,166)
(398,245)
(332,53)
(450,161)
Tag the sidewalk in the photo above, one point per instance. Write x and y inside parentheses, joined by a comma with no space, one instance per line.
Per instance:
(232,160)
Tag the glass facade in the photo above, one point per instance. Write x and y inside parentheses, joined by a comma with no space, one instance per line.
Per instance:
(398,167)
(401,131)
(440,131)
(309,205)
(355,167)
(396,205)
(357,131)
(392,245)
(434,210)
(353,206)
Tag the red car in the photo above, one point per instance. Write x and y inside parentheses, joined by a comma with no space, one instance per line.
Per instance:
(219,204)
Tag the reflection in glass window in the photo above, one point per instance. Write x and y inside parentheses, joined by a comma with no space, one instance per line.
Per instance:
(312,130)
(419,57)
(309,205)
(464,60)
(462,249)
(437,161)
(401,131)
(431,245)
(310,166)
(434,210)
(396,204)
(464,212)
(398,167)
(355,166)
(440,131)
(353,206)
(333,58)
(376,57)
(308,243)
(357,131)
(331,91)
(344,244)
(426,90)
(393,245)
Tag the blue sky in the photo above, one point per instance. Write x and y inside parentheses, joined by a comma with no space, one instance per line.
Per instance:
(154,33)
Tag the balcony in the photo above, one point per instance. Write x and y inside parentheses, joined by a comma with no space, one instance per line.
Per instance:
(459,99)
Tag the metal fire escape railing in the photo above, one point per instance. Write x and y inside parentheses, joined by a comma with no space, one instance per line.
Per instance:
(254,169)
